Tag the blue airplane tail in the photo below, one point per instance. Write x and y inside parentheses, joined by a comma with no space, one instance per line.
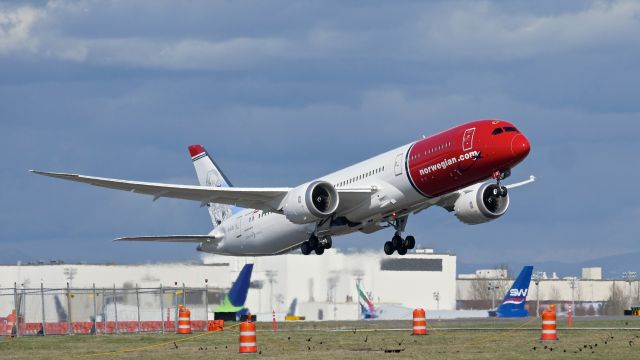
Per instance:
(239,290)
(516,297)
(234,301)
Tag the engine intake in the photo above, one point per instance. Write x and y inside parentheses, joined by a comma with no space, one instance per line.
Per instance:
(483,204)
(310,202)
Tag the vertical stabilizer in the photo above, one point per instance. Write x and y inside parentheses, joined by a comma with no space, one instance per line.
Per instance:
(235,299)
(209,174)
(516,297)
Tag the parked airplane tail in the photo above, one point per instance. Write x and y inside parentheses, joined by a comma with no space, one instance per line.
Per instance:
(235,299)
(367,309)
(209,174)
(516,298)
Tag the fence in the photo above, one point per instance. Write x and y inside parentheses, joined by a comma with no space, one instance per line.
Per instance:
(62,311)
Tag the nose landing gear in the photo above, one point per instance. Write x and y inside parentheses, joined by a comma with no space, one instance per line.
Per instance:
(316,245)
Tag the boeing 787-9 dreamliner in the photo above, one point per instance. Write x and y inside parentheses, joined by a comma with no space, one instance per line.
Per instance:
(459,169)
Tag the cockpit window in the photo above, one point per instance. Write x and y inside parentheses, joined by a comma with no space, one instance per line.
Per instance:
(510,129)
(496,131)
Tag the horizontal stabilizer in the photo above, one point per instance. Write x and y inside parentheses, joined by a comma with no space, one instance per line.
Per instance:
(172,238)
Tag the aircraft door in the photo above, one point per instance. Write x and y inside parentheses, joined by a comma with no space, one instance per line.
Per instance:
(398,165)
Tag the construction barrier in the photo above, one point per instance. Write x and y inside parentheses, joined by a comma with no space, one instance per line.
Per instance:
(419,322)
(123,327)
(549,328)
(215,325)
(248,343)
(184,320)
(11,324)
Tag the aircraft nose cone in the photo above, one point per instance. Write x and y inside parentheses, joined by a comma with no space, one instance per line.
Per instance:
(520,146)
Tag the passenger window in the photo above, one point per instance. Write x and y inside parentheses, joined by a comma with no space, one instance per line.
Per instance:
(497,131)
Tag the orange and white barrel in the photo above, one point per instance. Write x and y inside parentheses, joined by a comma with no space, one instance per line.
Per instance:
(549,326)
(419,322)
(248,344)
(184,320)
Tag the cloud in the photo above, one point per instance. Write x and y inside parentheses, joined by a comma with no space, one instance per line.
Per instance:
(16,28)
(484,32)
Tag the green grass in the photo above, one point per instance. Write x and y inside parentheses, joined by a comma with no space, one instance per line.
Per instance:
(357,340)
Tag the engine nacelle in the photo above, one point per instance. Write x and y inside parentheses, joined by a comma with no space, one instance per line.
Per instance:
(310,202)
(481,205)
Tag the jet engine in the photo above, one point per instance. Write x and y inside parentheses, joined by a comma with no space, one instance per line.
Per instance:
(483,204)
(310,202)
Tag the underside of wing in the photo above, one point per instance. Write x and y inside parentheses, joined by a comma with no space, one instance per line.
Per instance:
(173,238)
(267,199)
(352,198)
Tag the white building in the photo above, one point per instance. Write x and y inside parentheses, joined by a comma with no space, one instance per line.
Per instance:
(329,281)
(324,287)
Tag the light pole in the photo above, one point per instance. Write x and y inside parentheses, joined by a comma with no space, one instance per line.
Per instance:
(271,275)
(492,288)
(537,276)
(572,284)
(629,277)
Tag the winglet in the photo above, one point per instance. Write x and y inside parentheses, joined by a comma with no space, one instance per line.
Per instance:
(531,179)
(196,150)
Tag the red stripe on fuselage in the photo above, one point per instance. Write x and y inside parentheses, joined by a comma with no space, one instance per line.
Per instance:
(462,156)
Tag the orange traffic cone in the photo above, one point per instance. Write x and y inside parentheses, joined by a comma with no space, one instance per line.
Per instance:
(549,328)
(248,343)
(419,322)
(184,320)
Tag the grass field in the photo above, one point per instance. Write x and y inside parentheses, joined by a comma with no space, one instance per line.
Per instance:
(350,340)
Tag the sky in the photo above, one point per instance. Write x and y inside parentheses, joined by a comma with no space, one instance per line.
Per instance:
(281,92)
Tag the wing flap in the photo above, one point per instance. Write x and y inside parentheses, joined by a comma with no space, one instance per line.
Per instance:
(172,238)
(267,199)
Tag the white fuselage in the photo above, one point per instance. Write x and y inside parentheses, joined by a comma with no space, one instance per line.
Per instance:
(260,233)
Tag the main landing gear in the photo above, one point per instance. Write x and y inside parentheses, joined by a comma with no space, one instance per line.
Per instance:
(317,245)
(397,243)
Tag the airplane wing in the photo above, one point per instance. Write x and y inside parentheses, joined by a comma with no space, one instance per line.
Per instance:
(352,197)
(172,238)
(267,199)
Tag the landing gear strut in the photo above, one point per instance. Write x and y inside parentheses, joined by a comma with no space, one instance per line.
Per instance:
(397,243)
(316,245)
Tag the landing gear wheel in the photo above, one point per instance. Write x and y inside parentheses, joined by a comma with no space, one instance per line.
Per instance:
(388,248)
(410,242)
(319,250)
(402,251)
(314,242)
(396,241)
(328,242)
(305,248)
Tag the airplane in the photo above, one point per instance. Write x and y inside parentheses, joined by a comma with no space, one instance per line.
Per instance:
(450,169)
(516,297)
(232,306)
(367,309)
